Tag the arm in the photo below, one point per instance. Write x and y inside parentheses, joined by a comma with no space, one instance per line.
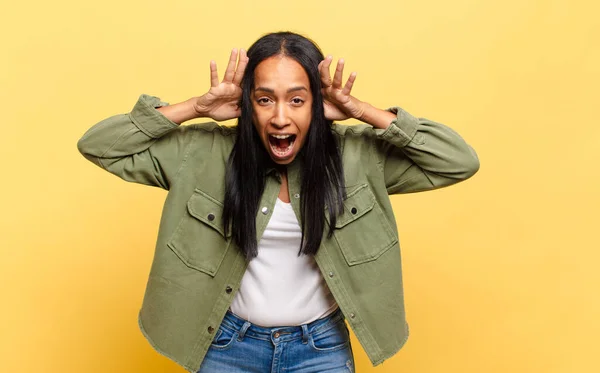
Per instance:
(142,146)
(418,154)
(415,154)
(148,145)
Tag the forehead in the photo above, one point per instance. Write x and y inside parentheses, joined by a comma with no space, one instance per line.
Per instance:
(280,72)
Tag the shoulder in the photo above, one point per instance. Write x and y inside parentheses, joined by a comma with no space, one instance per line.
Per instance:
(208,139)
(211,134)
(356,143)
(353,131)
(355,137)
(212,128)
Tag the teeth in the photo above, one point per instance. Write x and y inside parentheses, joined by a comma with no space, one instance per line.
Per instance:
(281,137)
(281,153)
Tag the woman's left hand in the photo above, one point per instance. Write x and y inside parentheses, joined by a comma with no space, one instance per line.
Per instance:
(337,101)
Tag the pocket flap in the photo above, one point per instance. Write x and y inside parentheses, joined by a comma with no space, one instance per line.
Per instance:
(357,203)
(208,210)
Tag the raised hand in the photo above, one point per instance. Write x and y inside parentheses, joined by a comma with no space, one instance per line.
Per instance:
(222,99)
(337,101)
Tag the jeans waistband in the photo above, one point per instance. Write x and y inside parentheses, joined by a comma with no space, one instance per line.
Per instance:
(246,328)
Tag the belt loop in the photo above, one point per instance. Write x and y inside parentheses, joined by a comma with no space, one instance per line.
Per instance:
(304,334)
(243,330)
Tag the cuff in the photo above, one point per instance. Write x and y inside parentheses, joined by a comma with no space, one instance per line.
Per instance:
(402,129)
(148,119)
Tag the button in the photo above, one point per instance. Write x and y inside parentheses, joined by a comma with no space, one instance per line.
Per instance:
(352,315)
(211,329)
(264,210)
(297,195)
(276,335)
(354,210)
(228,289)
(211,217)
(330,274)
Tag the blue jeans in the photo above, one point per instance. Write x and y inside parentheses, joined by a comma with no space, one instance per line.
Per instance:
(319,347)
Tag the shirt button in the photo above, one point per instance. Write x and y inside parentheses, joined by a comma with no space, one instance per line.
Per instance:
(297,195)
(330,274)
(354,210)
(211,217)
(211,329)
(352,315)
(228,289)
(264,210)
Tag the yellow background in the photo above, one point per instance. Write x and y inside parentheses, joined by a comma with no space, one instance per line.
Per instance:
(501,272)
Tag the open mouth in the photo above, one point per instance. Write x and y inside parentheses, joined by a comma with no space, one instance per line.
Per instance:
(282,145)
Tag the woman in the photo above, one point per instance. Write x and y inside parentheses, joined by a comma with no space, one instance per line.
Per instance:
(277,231)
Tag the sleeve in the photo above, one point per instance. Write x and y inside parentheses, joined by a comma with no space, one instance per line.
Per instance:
(417,154)
(142,146)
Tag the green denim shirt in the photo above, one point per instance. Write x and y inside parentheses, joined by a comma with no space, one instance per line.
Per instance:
(197,269)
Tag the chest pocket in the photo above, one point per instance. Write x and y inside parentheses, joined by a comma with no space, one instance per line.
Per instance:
(363,232)
(199,240)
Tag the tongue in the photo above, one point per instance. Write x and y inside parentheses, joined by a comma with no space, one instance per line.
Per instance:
(283,143)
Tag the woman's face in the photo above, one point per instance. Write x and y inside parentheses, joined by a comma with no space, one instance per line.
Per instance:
(282,107)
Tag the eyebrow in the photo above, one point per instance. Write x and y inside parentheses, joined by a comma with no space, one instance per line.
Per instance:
(293,89)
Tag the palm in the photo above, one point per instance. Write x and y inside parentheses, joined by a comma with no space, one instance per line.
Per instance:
(222,99)
(337,101)
(333,112)
(221,102)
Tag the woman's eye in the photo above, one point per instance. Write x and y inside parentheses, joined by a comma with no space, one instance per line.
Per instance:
(297,101)
(263,100)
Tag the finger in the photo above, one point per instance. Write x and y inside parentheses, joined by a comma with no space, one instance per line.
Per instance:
(337,77)
(230,72)
(324,71)
(239,72)
(348,87)
(319,69)
(214,76)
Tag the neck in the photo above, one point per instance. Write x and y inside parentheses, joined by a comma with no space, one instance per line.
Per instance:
(284,193)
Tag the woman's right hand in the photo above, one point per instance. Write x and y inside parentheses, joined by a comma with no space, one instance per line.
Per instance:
(221,101)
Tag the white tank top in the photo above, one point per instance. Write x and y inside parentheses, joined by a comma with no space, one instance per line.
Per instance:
(279,287)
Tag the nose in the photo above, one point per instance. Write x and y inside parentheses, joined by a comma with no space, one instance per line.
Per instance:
(280,118)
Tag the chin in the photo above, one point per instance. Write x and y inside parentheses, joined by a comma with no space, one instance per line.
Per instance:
(283,162)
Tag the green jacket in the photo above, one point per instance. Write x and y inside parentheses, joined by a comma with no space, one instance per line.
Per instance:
(197,270)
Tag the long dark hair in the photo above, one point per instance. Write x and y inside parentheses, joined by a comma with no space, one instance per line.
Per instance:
(322,175)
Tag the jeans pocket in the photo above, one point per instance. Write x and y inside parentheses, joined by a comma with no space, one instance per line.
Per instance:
(332,339)
(224,338)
